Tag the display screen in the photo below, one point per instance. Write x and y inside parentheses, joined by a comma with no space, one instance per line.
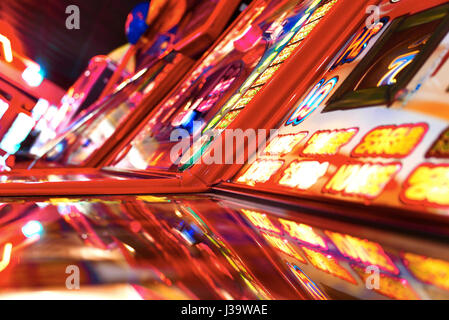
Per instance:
(228,78)
(386,154)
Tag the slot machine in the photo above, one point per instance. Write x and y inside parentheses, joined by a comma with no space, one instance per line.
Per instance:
(266,35)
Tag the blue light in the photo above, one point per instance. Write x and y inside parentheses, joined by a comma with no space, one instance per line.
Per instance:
(32,228)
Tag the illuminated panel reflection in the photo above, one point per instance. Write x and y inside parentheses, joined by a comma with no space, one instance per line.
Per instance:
(364,251)
(328,264)
(391,287)
(260,171)
(282,245)
(303,232)
(283,144)
(260,220)
(428,270)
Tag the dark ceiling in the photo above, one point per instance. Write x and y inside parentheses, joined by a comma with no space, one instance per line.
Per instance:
(63,53)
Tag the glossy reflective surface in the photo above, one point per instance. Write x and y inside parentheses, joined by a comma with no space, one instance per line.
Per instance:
(206,247)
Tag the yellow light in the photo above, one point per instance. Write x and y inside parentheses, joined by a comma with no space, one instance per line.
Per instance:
(260,221)
(304,174)
(389,286)
(391,141)
(362,180)
(328,264)
(7,50)
(328,142)
(303,232)
(428,185)
(6,256)
(428,270)
(364,251)
(283,246)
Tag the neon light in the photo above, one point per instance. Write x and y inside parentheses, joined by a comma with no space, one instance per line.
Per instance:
(6,259)
(391,141)
(33,76)
(363,251)
(428,270)
(227,119)
(282,245)
(312,101)
(246,98)
(3,107)
(32,228)
(306,283)
(260,171)
(396,67)
(328,264)
(7,50)
(440,148)
(358,45)
(285,53)
(18,131)
(260,220)
(391,287)
(39,109)
(362,180)
(304,174)
(283,144)
(427,185)
(267,75)
(303,233)
(327,142)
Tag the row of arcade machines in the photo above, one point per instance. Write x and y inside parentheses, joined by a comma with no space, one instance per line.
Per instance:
(303,156)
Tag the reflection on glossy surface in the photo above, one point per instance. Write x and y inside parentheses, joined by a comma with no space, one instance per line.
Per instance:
(205,247)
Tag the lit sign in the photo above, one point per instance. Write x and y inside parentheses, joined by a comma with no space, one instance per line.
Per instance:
(428,185)
(283,246)
(328,142)
(363,180)
(303,174)
(396,67)
(391,141)
(364,251)
(307,284)
(7,50)
(312,101)
(428,270)
(328,264)
(391,287)
(440,149)
(260,220)
(260,171)
(283,144)
(303,232)
(359,43)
